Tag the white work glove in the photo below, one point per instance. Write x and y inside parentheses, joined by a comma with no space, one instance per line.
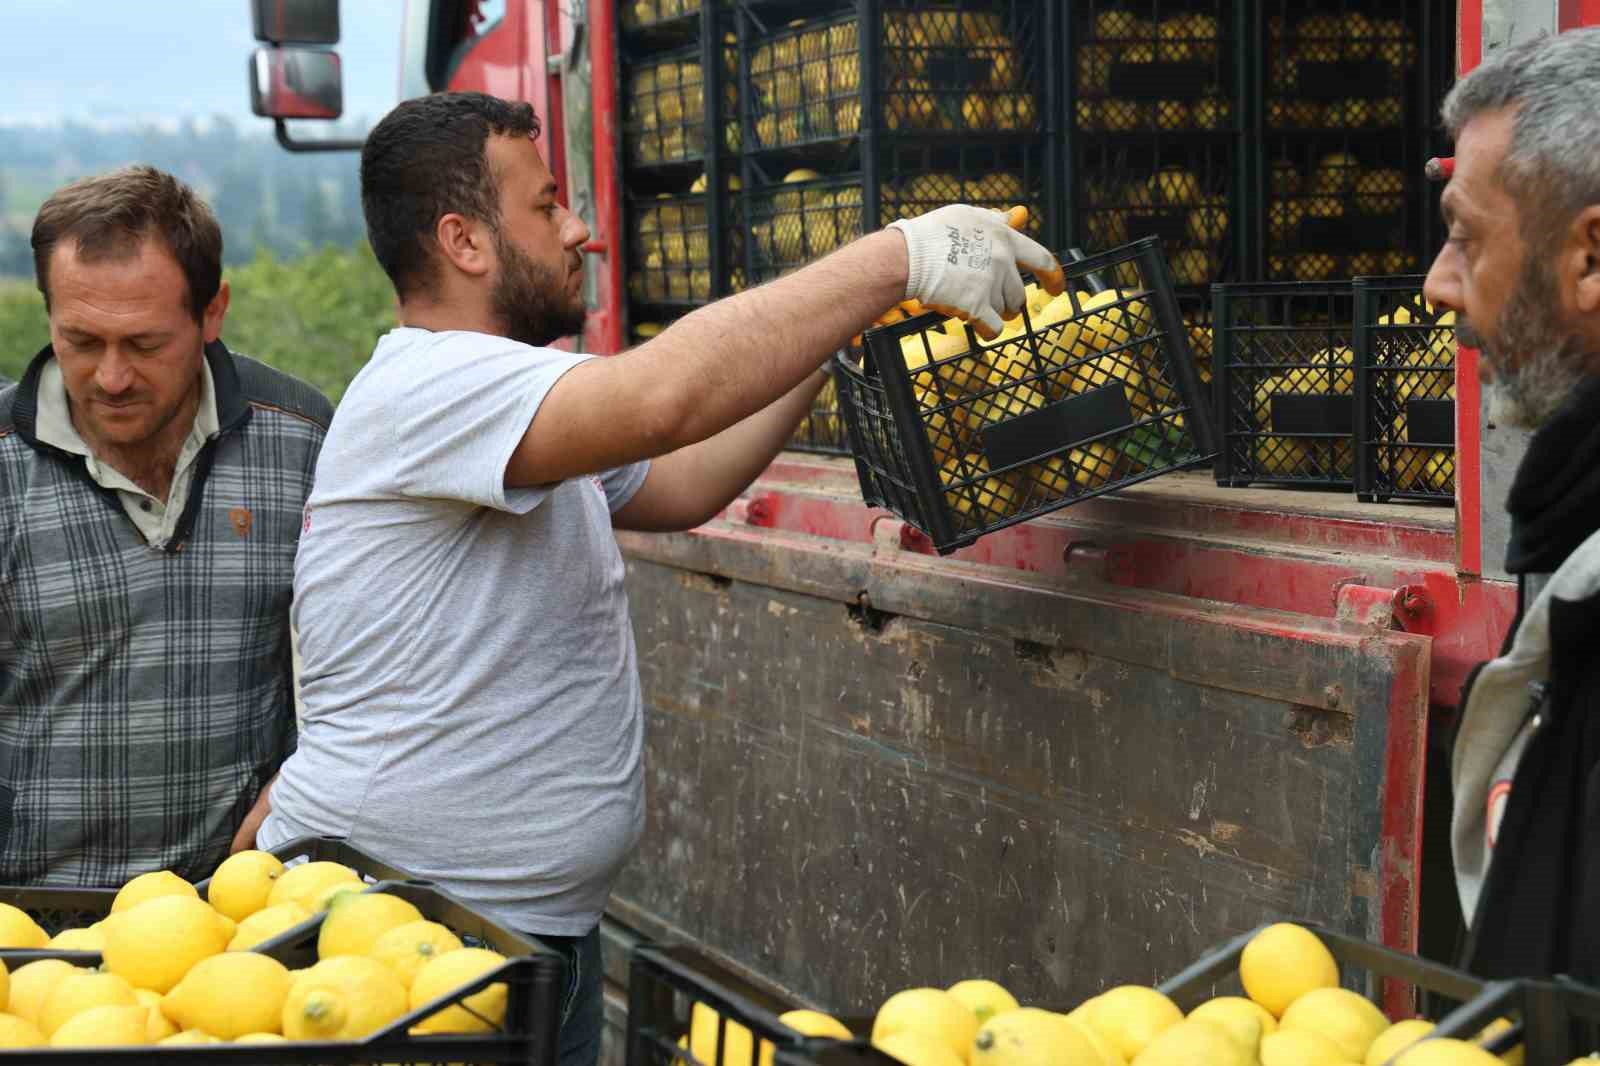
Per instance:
(966,262)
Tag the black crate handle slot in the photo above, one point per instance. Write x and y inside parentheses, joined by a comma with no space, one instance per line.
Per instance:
(1066,424)
(1162,80)
(1313,415)
(1431,423)
(1345,78)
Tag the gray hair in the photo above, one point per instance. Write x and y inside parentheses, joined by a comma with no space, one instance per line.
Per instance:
(1551,168)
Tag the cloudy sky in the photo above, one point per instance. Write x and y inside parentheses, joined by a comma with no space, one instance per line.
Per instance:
(141,60)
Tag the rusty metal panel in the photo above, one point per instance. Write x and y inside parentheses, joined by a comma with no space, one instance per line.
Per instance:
(867,772)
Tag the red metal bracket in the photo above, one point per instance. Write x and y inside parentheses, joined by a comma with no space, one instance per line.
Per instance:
(1405,608)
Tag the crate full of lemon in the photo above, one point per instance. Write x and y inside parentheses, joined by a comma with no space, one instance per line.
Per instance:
(176,968)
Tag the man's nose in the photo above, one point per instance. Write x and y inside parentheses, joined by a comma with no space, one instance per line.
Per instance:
(576,232)
(113,374)
(1442,287)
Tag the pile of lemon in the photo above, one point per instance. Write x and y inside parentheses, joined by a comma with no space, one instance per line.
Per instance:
(178,969)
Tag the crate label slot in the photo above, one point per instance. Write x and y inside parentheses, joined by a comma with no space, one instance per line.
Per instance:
(1431,423)
(1057,427)
(1345,79)
(1171,226)
(1162,81)
(1353,233)
(1312,415)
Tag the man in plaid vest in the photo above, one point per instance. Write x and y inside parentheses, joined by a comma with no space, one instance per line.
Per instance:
(152,487)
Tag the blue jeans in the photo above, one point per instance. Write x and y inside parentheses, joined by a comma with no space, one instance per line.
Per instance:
(583,1004)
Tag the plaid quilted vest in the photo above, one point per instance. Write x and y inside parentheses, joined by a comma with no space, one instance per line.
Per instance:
(146,693)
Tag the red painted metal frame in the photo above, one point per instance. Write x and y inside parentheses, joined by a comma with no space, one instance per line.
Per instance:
(1469,431)
(604,334)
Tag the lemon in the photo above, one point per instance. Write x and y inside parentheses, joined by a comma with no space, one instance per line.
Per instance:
(1516,1056)
(17,930)
(1343,1017)
(1442,1052)
(1397,1037)
(32,983)
(19,1032)
(1109,1056)
(190,1036)
(79,992)
(1232,1011)
(1283,962)
(78,940)
(355,922)
(154,944)
(104,1027)
(918,1049)
(479,1012)
(406,948)
(151,886)
(737,1040)
(931,1012)
(1197,1040)
(1130,1016)
(1029,1035)
(160,1026)
(242,883)
(1300,1047)
(815,1023)
(303,883)
(324,899)
(261,1038)
(342,999)
(230,995)
(267,923)
(984,997)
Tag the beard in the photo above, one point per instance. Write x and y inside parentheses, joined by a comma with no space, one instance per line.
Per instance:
(1529,394)
(531,300)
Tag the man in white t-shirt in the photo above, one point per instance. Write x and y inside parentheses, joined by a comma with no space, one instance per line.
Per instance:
(471,702)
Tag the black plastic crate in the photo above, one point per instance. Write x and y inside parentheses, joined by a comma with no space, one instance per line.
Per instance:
(1154,65)
(1554,1021)
(822,429)
(1196,310)
(669,246)
(1337,210)
(946,67)
(670,987)
(961,437)
(1182,192)
(638,14)
(920,177)
(1339,64)
(1406,393)
(798,220)
(665,107)
(1284,382)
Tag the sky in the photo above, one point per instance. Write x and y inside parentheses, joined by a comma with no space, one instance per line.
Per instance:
(135,61)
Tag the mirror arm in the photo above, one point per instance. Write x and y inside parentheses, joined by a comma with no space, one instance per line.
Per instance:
(293,145)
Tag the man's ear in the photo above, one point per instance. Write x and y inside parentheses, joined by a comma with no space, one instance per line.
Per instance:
(215,312)
(1583,261)
(464,244)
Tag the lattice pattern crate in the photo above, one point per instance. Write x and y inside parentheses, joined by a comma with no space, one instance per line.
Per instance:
(822,429)
(1348,68)
(1083,393)
(639,13)
(665,120)
(1335,212)
(1285,383)
(801,219)
(1406,355)
(1153,66)
(1180,193)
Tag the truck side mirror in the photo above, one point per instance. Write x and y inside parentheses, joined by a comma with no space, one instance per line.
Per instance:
(296,21)
(296,83)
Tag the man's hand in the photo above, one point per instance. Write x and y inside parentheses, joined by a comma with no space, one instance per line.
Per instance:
(245,838)
(966,261)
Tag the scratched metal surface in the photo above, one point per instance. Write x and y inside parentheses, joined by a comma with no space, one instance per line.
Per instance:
(848,804)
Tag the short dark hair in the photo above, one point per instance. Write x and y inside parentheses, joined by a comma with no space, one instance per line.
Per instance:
(425,160)
(110,216)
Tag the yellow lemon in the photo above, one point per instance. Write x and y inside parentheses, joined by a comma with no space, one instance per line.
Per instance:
(931,1012)
(1230,1011)
(1283,962)
(1516,1056)
(479,1012)
(190,1036)
(1396,1038)
(1345,1018)
(242,883)
(261,1038)
(1109,1056)
(160,1026)
(1196,1040)
(918,1049)
(78,940)
(305,882)
(343,998)
(1443,1052)
(229,995)
(154,944)
(737,1040)
(815,1023)
(32,983)
(1130,1016)
(104,1027)
(324,899)
(151,886)
(355,922)
(267,923)
(19,1032)
(1028,1035)
(406,948)
(1300,1047)
(17,930)
(78,992)
(984,997)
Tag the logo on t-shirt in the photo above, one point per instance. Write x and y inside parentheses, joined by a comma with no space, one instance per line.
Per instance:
(305,519)
(1499,796)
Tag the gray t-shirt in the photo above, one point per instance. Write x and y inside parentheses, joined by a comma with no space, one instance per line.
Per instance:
(472,708)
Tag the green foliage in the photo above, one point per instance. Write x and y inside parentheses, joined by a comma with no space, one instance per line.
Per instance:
(316,317)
